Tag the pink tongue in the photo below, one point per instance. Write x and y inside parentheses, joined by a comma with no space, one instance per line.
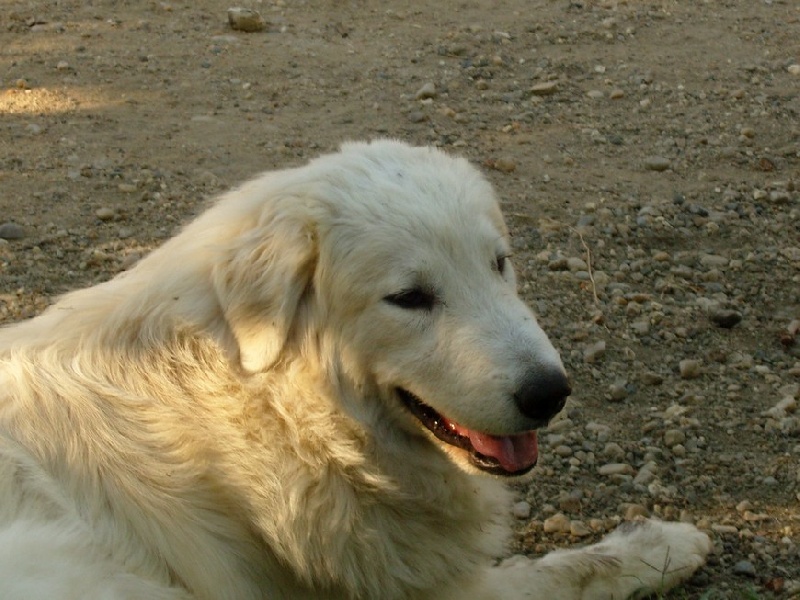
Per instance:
(513,452)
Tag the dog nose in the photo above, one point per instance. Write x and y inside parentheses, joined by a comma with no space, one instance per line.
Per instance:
(543,393)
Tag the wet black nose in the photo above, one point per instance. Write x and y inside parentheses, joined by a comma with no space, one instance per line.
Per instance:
(542,393)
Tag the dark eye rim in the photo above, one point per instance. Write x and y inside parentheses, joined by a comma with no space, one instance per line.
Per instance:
(416,298)
(500,262)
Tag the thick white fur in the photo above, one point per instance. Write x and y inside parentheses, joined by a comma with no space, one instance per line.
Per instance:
(221,422)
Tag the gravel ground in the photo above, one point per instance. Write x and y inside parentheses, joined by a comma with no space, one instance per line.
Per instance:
(647,153)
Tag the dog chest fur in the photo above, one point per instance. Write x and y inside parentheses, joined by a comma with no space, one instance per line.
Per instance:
(164,450)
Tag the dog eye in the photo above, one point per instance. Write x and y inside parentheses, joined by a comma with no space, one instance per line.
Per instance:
(412,299)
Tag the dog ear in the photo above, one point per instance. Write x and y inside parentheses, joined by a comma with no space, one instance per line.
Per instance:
(261,279)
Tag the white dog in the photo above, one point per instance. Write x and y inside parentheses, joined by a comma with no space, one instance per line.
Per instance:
(298,397)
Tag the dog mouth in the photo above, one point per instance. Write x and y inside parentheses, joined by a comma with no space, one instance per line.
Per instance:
(509,455)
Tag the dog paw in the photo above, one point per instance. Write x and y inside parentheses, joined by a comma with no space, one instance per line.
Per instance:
(656,556)
(637,560)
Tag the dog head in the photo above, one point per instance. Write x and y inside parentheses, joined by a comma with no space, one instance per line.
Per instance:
(393,264)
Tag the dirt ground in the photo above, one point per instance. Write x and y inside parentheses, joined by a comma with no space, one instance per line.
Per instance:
(648,157)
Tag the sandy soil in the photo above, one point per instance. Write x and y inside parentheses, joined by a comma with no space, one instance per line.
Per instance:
(647,153)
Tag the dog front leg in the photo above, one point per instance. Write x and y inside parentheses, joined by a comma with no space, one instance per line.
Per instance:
(636,560)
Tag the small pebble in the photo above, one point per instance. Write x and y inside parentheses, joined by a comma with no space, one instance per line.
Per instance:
(725,318)
(245,19)
(579,529)
(744,567)
(104,213)
(748,132)
(505,165)
(576,264)
(635,511)
(595,352)
(656,163)
(678,450)
(714,261)
(613,451)
(11,231)
(563,451)
(569,504)
(646,475)
(426,91)
(673,437)
(755,517)
(544,89)
(521,510)
(616,469)
(618,391)
(558,523)
(689,368)
(652,378)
